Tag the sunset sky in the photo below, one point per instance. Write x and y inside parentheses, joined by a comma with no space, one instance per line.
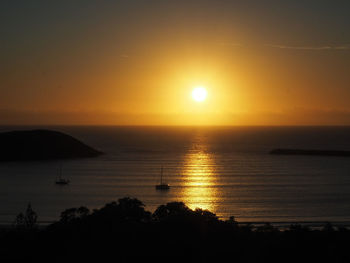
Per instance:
(136,62)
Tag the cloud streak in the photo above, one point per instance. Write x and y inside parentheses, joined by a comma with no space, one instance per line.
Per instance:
(343,47)
(316,48)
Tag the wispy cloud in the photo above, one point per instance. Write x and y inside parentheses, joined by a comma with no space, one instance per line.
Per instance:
(311,48)
(328,47)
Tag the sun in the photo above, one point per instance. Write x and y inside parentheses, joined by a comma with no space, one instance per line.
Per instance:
(199,94)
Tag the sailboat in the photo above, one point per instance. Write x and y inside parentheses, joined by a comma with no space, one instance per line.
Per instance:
(60,180)
(162,186)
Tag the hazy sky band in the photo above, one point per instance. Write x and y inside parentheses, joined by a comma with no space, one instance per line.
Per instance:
(143,57)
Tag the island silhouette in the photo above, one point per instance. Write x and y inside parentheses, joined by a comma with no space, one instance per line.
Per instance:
(335,153)
(36,145)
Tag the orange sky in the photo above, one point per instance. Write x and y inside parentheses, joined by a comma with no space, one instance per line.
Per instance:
(136,64)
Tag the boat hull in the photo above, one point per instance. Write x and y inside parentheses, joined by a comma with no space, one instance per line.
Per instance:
(162,187)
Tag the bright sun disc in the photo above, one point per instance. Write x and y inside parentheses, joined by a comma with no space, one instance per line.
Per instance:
(199,94)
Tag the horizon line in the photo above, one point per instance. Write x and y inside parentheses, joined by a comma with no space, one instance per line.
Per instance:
(160,125)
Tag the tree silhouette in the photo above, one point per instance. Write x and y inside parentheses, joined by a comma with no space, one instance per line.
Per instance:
(126,209)
(72,214)
(171,210)
(206,215)
(28,220)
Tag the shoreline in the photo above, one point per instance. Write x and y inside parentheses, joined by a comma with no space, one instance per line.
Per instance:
(281,225)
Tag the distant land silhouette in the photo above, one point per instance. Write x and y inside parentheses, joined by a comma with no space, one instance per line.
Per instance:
(310,152)
(35,145)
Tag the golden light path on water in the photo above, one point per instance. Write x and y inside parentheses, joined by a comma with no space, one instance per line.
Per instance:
(199,180)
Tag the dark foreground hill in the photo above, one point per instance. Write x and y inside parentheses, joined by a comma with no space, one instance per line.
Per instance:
(124,231)
(32,145)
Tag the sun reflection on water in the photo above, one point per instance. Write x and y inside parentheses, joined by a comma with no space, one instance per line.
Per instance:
(199,180)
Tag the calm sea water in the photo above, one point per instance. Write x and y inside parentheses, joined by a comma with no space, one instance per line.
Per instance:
(225,170)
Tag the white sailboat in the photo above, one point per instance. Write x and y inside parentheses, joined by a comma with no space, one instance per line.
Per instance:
(162,186)
(60,180)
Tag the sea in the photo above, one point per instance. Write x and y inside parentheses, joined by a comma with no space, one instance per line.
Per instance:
(226,170)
